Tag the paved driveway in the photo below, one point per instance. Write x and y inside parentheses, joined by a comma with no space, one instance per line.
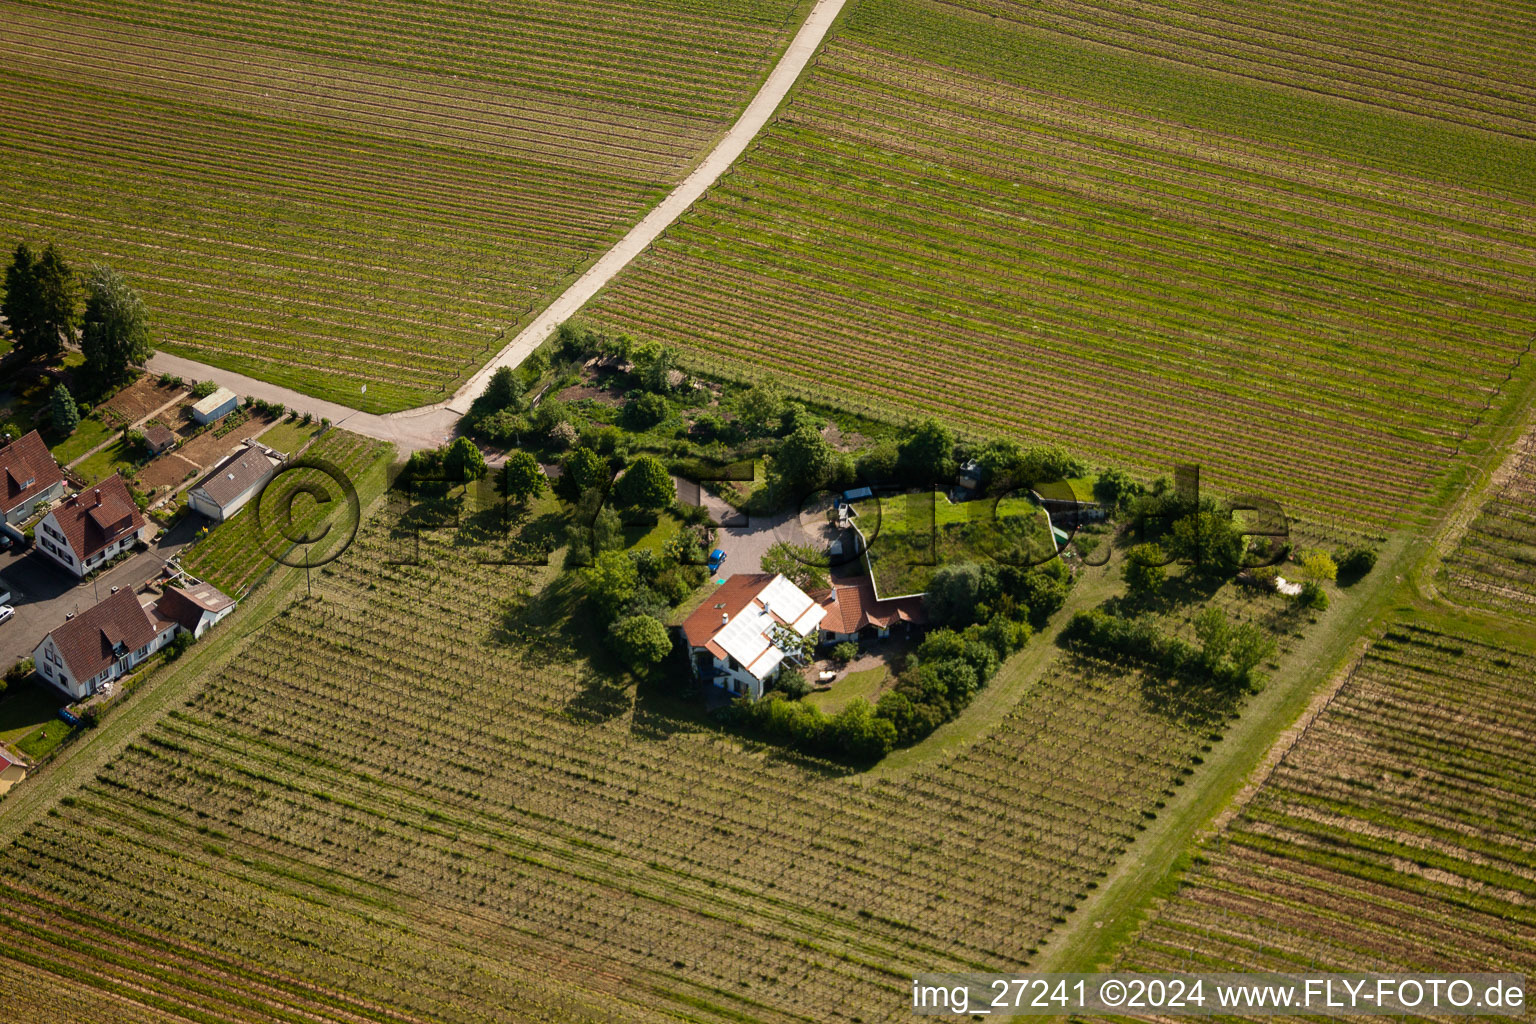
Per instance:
(43,594)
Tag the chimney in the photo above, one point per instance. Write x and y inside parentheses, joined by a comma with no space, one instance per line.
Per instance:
(724,618)
(98,495)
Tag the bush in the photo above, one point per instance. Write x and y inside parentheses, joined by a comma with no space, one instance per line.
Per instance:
(1355,562)
(641,641)
(179,644)
(792,683)
(1143,570)
(17,672)
(203,388)
(646,410)
(845,652)
(1312,596)
(170,380)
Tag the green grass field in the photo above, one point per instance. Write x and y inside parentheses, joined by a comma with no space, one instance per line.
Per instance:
(1031,234)
(360,195)
(909,536)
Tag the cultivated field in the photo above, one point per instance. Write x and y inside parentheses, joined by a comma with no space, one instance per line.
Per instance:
(412,798)
(1396,835)
(357,194)
(1494,563)
(1315,300)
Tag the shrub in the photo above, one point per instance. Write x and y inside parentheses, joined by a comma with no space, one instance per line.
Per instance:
(1313,596)
(170,380)
(178,645)
(17,672)
(203,388)
(1319,565)
(562,435)
(1355,562)
(845,652)
(792,683)
(1144,570)
(641,641)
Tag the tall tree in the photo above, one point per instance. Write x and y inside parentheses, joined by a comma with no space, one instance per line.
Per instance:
(116,330)
(462,462)
(646,484)
(524,477)
(927,456)
(57,298)
(804,459)
(20,307)
(66,415)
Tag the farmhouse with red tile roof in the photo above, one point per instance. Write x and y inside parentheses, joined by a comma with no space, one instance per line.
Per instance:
(30,477)
(89,528)
(100,644)
(738,640)
(853,610)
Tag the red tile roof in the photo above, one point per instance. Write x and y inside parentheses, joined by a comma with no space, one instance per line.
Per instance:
(852,606)
(5,761)
(186,605)
(89,642)
(728,599)
(98,516)
(27,468)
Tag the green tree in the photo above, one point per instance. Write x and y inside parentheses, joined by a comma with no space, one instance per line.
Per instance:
(1320,566)
(524,477)
(611,581)
(1355,562)
(1143,569)
(462,462)
(797,563)
(1115,490)
(21,307)
(804,459)
(505,391)
(927,455)
(646,485)
(585,469)
(1249,646)
(1209,539)
(66,416)
(646,410)
(641,641)
(57,302)
(1214,631)
(759,407)
(654,363)
(953,593)
(607,531)
(116,329)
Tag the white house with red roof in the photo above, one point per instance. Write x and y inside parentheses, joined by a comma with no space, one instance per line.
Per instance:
(740,639)
(100,644)
(29,477)
(88,529)
(854,613)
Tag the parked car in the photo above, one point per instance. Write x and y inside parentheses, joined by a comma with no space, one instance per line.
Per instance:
(716,560)
(6,613)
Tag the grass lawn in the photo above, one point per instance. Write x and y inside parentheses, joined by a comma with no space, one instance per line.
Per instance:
(90,433)
(911,535)
(24,708)
(651,538)
(867,683)
(111,459)
(288,437)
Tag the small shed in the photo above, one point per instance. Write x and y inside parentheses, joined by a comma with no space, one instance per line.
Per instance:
(216,406)
(159,438)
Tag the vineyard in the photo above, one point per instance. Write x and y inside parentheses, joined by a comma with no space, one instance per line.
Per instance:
(1315,301)
(1394,836)
(411,797)
(232,556)
(1494,563)
(350,196)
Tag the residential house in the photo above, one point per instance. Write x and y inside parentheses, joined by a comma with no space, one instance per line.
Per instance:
(101,644)
(740,638)
(31,477)
(159,439)
(235,481)
(194,605)
(852,612)
(87,529)
(12,771)
(216,405)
